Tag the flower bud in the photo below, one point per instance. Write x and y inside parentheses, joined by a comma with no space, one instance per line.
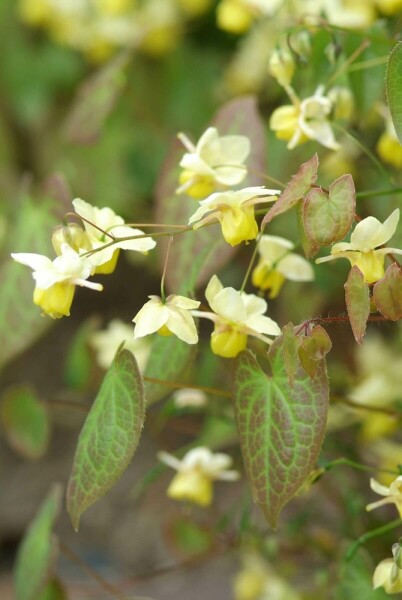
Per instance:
(282,66)
(71,234)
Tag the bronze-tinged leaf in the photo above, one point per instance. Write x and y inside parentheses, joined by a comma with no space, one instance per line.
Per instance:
(196,255)
(109,437)
(314,347)
(328,218)
(295,190)
(281,426)
(291,345)
(310,248)
(357,296)
(387,293)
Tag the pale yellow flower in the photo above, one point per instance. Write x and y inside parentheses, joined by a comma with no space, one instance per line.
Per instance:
(388,576)
(363,249)
(392,494)
(172,316)
(106,342)
(196,472)
(236,316)
(235,212)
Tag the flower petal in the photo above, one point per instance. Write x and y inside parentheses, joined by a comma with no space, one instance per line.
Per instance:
(181,323)
(295,268)
(152,316)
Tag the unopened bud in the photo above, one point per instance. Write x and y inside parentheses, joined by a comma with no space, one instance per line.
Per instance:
(342,100)
(397,554)
(282,66)
(71,234)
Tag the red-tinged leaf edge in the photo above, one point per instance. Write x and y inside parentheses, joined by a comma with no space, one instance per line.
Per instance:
(357,297)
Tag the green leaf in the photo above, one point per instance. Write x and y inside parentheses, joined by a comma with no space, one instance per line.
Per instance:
(314,347)
(25,422)
(20,320)
(394,88)
(328,218)
(54,591)
(95,100)
(38,551)
(109,437)
(357,296)
(387,293)
(196,255)
(291,344)
(77,366)
(310,248)
(281,427)
(297,187)
(169,358)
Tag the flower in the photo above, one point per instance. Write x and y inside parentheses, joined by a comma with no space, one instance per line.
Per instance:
(98,223)
(304,120)
(56,280)
(368,235)
(216,161)
(236,316)
(277,263)
(388,147)
(195,473)
(282,66)
(168,317)
(107,341)
(257,580)
(388,576)
(237,16)
(189,398)
(235,212)
(393,494)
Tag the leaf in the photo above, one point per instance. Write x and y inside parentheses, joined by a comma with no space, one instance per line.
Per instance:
(25,422)
(195,256)
(77,366)
(387,293)
(291,344)
(109,436)
(54,591)
(327,219)
(94,102)
(21,322)
(394,88)
(297,187)
(309,248)
(38,551)
(169,358)
(314,347)
(281,427)
(357,296)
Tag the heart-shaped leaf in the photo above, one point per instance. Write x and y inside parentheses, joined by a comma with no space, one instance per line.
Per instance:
(357,296)
(388,293)
(328,218)
(109,436)
(281,426)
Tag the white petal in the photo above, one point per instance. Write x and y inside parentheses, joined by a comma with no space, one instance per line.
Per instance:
(139,245)
(152,316)
(295,268)
(263,324)
(181,323)
(182,302)
(229,304)
(365,234)
(37,262)
(192,162)
(199,213)
(378,488)
(273,247)
(321,132)
(213,288)
(169,460)
(387,229)
(254,304)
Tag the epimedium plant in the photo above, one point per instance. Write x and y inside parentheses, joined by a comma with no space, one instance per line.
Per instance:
(280,391)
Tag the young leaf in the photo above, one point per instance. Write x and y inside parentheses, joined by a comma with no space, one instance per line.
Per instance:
(20,320)
(291,344)
(327,219)
(168,360)
(38,551)
(357,296)
(109,437)
(314,347)
(297,187)
(281,427)
(394,88)
(54,591)
(25,422)
(196,255)
(387,293)
(310,248)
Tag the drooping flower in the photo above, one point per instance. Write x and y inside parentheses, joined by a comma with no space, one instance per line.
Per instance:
(237,16)
(56,280)
(215,162)
(106,342)
(172,316)
(364,250)
(234,211)
(388,576)
(277,263)
(98,223)
(236,316)
(392,494)
(196,472)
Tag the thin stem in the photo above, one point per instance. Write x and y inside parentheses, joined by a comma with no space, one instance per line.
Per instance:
(251,263)
(370,535)
(163,295)
(339,462)
(67,404)
(375,409)
(105,585)
(345,65)
(372,193)
(179,386)
(367,64)
(73,214)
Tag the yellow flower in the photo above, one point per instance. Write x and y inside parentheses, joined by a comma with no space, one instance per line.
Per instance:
(282,66)
(257,581)
(235,212)
(170,317)
(277,264)
(389,7)
(195,8)
(304,120)
(56,280)
(393,494)
(237,16)
(196,472)
(236,316)
(388,576)
(107,341)
(368,235)
(215,162)
(102,223)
